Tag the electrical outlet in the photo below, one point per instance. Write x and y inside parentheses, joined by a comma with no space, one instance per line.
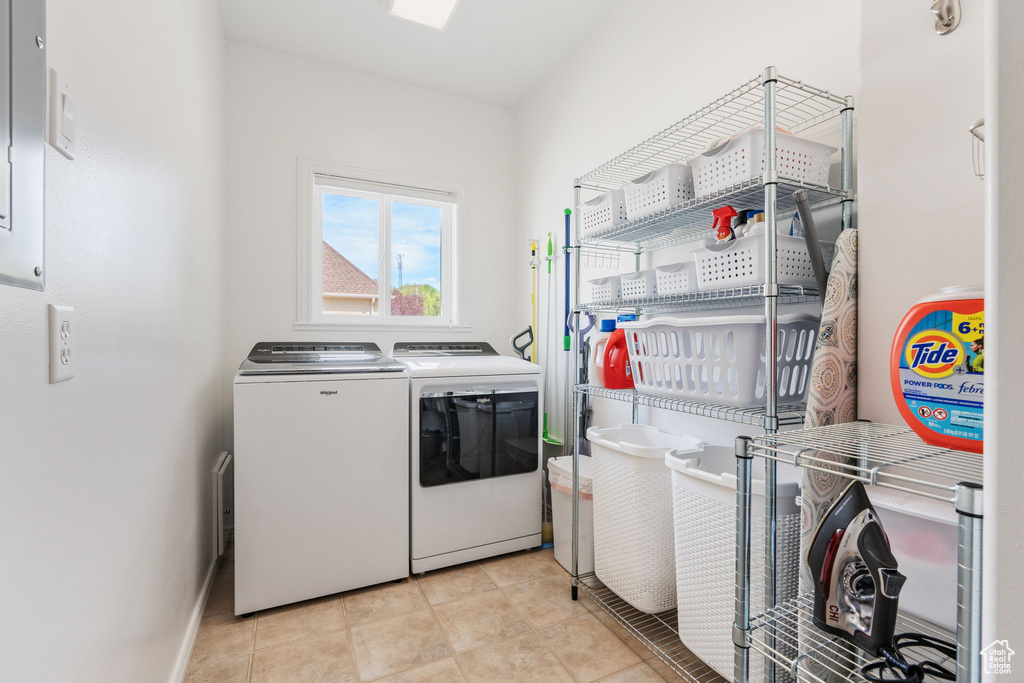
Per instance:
(62,343)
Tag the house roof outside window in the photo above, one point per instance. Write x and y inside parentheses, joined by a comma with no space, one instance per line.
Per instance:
(340,276)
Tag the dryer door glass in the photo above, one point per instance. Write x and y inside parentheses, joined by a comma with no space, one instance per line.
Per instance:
(469,436)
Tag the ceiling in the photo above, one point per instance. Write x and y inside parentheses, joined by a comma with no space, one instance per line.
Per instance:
(495,51)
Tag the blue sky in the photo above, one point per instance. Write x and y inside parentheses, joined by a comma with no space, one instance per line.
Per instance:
(351,227)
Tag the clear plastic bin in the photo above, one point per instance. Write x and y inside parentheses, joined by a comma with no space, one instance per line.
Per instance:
(560,478)
(923,535)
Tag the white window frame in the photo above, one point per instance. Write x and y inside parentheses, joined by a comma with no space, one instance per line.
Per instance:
(317,178)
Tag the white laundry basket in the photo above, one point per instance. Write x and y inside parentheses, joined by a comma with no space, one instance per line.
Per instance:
(658,190)
(704,513)
(719,359)
(676,278)
(602,212)
(742,158)
(633,550)
(639,285)
(560,477)
(606,288)
(740,262)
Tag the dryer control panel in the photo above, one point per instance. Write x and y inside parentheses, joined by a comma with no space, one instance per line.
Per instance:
(443,349)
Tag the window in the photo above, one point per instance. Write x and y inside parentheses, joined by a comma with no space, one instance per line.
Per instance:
(379,249)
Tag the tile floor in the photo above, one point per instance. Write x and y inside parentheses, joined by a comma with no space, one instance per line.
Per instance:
(508,618)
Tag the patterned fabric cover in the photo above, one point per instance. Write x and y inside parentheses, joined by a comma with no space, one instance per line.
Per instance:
(831,397)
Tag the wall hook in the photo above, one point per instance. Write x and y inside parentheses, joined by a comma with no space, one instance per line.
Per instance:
(947,15)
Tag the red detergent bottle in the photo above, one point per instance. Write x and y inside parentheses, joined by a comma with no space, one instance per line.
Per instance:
(937,367)
(617,373)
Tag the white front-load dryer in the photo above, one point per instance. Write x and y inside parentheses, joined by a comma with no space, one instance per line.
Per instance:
(475,423)
(321,472)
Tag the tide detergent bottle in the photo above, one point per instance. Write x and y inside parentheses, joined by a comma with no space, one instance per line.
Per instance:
(938,368)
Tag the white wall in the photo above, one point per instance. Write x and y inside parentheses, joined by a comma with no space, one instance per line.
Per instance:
(921,209)
(104,491)
(1004,477)
(281,108)
(651,63)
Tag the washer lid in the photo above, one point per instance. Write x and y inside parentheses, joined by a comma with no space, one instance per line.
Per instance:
(298,358)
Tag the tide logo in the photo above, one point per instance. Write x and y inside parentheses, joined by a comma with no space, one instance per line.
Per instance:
(934,353)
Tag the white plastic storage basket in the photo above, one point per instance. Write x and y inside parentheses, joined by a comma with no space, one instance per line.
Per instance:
(740,262)
(704,512)
(658,190)
(639,285)
(560,477)
(633,548)
(606,288)
(603,211)
(719,359)
(677,278)
(742,158)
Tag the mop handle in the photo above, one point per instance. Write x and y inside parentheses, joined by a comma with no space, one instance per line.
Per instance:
(565,339)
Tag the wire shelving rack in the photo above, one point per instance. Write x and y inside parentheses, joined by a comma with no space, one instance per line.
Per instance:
(776,103)
(705,300)
(656,631)
(687,222)
(881,455)
(787,636)
(789,414)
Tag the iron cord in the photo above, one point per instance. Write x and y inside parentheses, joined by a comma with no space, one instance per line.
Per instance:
(894,667)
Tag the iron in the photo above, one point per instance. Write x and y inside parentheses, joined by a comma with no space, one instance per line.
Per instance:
(858,584)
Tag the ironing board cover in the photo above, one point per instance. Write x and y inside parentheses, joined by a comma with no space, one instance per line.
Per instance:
(831,399)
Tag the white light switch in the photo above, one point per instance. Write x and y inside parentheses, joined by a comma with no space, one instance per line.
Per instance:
(62,343)
(61,130)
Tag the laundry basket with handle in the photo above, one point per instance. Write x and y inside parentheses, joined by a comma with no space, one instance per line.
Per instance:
(704,514)
(719,359)
(633,549)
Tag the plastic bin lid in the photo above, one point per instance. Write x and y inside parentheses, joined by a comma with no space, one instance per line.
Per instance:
(563,466)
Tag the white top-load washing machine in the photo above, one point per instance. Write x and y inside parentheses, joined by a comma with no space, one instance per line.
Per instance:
(475,452)
(321,472)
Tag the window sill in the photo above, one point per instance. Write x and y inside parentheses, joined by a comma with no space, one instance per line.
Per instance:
(380,327)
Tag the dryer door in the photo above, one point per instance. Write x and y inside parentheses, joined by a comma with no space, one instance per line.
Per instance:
(472,435)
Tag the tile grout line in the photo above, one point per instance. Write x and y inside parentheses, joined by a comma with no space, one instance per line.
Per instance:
(440,627)
(536,630)
(348,636)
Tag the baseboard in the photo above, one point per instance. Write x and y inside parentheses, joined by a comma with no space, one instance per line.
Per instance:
(180,667)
